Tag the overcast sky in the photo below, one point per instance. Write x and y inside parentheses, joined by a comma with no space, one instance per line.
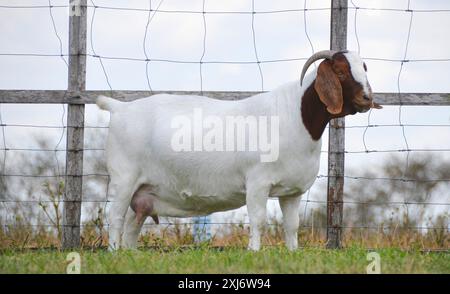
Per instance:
(176,36)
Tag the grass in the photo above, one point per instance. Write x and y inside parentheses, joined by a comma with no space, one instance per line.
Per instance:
(229,260)
(25,248)
(172,250)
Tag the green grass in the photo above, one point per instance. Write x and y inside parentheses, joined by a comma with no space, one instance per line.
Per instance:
(230,260)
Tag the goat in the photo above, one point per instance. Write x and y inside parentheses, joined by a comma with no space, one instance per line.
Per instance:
(149,178)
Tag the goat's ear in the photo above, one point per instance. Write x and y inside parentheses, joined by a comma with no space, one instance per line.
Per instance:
(329,88)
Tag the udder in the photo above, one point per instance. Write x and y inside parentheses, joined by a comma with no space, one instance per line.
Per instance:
(142,203)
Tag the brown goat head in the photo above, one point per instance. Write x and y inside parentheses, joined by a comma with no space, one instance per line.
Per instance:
(341,83)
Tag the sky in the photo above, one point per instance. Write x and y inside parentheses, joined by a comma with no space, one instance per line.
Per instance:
(229,37)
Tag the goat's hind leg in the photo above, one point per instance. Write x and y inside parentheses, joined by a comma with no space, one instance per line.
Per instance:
(121,191)
(132,228)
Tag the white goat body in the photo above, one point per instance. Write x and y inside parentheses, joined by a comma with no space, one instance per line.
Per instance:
(198,183)
(184,184)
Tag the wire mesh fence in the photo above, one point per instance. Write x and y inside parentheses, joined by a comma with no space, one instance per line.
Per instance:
(10,205)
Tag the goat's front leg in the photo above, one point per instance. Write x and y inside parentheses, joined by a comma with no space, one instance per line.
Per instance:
(256,206)
(291,220)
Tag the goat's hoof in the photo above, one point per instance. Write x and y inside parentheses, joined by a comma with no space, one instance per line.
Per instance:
(253,248)
(113,247)
(129,247)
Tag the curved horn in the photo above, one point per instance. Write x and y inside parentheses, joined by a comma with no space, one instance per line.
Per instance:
(327,54)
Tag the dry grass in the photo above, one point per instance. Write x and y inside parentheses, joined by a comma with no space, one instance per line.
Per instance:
(171,249)
(94,235)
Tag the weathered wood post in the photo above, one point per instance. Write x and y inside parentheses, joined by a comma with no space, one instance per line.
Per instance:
(336,145)
(75,126)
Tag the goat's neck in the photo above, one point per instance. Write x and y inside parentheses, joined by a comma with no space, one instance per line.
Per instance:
(314,113)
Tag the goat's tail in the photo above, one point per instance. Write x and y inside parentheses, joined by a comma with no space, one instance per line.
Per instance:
(107,103)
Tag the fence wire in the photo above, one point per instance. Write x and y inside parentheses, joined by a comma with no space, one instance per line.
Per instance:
(148,59)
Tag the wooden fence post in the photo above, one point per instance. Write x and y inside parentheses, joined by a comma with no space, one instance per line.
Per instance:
(75,127)
(336,145)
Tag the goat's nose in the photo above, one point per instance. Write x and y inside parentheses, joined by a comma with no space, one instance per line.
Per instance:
(366,97)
